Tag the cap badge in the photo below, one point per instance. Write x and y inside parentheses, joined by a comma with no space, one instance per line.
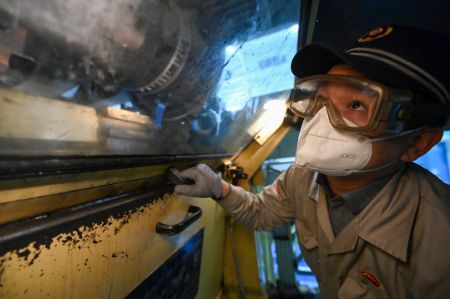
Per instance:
(375,33)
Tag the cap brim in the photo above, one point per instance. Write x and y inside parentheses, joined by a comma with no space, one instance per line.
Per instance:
(316,59)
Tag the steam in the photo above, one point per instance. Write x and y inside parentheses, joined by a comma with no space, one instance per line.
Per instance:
(93,24)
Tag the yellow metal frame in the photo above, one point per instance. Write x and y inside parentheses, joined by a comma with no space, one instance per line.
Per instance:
(250,159)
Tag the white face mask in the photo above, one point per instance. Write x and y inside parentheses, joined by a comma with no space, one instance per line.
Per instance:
(324,149)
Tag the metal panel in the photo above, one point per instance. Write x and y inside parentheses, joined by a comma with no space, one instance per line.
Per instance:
(98,251)
(178,277)
(86,253)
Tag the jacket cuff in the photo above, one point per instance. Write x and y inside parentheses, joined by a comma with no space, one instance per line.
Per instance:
(233,199)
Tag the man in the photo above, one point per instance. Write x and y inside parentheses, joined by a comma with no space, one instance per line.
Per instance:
(370,223)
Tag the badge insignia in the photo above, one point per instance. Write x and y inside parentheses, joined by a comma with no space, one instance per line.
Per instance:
(371,278)
(375,33)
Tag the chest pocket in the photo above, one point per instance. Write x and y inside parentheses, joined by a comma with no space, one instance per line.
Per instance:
(356,287)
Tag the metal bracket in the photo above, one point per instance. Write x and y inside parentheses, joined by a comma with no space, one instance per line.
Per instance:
(233,173)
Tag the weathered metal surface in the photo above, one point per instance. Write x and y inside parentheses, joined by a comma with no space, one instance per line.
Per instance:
(21,198)
(104,254)
(22,189)
(28,197)
(24,167)
(178,277)
(23,209)
(105,250)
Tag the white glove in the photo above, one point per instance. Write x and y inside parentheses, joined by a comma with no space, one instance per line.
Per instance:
(206,182)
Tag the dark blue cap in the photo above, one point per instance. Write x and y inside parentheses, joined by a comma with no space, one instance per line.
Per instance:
(395,55)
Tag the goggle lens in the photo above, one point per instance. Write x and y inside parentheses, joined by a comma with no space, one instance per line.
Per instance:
(350,103)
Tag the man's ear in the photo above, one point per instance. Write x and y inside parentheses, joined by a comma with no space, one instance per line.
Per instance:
(422,144)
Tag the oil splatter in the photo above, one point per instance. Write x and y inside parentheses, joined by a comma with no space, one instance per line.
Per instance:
(119,254)
(82,237)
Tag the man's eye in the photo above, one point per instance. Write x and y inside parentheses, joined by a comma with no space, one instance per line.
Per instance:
(356,105)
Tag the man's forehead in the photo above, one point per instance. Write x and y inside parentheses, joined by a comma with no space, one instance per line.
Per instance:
(339,86)
(346,70)
(335,85)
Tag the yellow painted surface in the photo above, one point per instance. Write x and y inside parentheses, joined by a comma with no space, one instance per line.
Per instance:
(247,262)
(270,120)
(250,159)
(109,259)
(213,248)
(28,197)
(20,189)
(18,210)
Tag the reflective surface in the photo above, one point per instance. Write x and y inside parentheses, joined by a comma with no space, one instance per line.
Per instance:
(141,77)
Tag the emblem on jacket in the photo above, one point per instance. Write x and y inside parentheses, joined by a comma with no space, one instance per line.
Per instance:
(371,278)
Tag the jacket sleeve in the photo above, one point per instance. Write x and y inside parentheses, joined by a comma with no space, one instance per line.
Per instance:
(263,211)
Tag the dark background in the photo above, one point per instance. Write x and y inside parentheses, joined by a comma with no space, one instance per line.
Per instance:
(339,22)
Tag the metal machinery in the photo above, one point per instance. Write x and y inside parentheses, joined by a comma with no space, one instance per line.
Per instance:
(97,100)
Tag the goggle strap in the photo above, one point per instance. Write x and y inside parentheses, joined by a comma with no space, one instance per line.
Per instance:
(419,112)
(376,168)
(382,138)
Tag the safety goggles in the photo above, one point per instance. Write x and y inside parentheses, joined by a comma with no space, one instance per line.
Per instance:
(354,104)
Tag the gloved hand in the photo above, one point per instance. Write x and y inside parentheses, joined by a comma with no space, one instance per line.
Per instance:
(206,182)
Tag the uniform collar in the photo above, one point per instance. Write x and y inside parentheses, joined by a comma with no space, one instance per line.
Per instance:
(314,187)
(355,200)
(386,222)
